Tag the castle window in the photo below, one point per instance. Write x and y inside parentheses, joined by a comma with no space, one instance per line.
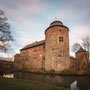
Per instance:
(35,57)
(59,30)
(40,49)
(25,51)
(43,58)
(37,50)
(84,63)
(28,51)
(61,53)
(60,39)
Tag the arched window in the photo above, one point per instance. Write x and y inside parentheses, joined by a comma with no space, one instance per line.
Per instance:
(61,53)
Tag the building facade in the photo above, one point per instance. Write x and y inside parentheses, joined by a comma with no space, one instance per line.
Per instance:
(51,53)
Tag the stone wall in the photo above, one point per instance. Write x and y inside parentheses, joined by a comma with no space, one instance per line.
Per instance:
(6,66)
(73,62)
(51,53)
(82,58)
(54,48)
(31,59)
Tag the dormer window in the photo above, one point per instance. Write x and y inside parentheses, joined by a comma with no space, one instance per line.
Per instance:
(60,39)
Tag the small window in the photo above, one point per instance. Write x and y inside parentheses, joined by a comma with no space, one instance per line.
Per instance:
(28,51)
(59,30)
(35,57)
(43,58)
(40,49)
(84,63)
(35,50)
(60,39)
(61,53)
(25,51)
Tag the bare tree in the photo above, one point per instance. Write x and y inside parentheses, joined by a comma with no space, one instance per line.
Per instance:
(85,45)
(5,33)
(76,47)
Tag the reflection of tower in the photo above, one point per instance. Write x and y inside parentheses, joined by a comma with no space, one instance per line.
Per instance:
(57,47)
(82,57)
(74,86)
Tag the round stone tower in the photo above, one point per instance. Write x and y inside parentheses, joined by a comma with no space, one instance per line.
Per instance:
(57,47)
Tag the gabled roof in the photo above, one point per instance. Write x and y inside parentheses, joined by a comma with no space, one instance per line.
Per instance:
(33,45)
(81,50)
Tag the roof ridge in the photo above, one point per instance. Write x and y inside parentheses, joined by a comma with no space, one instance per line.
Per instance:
(33,44)
(81,50)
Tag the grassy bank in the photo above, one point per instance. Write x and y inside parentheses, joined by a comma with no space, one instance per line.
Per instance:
(18,84)
(67,72)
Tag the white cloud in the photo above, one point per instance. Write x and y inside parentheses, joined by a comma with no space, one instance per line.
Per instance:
(29,18)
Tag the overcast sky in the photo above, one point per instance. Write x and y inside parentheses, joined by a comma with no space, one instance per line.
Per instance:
(30,18)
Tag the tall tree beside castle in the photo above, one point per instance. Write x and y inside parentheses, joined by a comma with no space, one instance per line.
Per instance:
(5,33)
(86,43)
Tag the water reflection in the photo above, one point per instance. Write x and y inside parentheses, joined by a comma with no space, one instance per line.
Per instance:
(8,75)
(73,82)
(74,86)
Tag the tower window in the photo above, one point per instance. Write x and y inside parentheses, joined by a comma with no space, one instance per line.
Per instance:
(60,39)
(84,63)
(61,53)
(59,30)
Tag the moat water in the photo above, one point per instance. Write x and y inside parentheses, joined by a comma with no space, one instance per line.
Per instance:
(72,82)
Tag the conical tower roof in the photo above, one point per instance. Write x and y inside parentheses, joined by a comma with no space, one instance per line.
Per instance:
(56,24)
(81,50)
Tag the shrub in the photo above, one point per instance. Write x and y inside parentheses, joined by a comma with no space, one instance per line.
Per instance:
(70,71)
(43,70)
(52,71)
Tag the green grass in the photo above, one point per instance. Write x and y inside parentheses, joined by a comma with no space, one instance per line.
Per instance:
(19,84)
